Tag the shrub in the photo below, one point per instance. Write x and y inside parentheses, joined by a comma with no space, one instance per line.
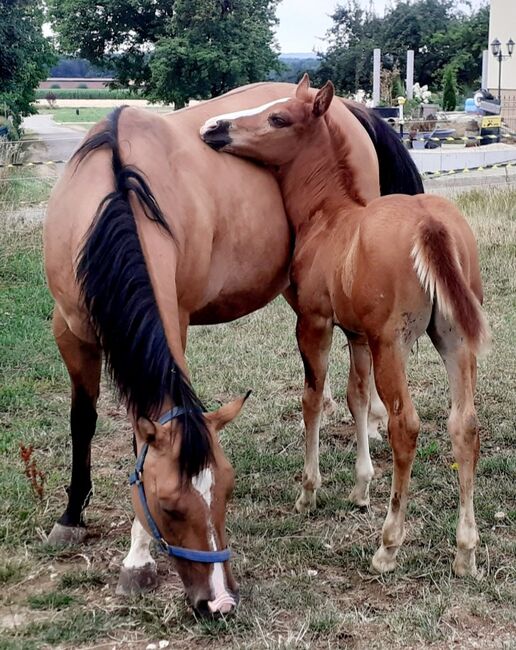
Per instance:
(450,89)
(55,86)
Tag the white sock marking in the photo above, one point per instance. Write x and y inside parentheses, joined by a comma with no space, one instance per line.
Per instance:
(139,553)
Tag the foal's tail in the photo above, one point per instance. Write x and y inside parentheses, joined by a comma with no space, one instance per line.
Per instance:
(437,265)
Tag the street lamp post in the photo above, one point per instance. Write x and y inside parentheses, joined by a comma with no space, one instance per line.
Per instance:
(496,49)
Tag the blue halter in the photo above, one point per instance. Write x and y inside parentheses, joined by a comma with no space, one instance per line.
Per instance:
(136,478)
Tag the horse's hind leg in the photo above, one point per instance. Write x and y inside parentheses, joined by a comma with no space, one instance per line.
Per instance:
(83,361)
(358,402)
(402,429)
(463,428)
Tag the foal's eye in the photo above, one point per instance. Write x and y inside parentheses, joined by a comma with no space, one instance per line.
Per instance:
(278,121)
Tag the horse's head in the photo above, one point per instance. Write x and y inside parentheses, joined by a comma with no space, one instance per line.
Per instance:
(187,516)
(272,133)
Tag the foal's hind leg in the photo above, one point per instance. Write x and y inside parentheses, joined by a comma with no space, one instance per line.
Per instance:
(83,361)
(463,428)
(314,336)
(358,402)
(402,429)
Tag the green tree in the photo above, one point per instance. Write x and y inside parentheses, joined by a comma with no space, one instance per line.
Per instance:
(450,89)
(118,34)
(172,49)
(436,30)
(25,56)
(213,46)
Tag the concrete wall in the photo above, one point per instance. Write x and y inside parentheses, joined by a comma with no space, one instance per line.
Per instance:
(502,25)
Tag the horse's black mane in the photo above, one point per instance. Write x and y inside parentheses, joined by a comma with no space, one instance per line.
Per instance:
(398,172)
(118,294)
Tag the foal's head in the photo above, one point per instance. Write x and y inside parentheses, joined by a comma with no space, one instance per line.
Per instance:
(273,133)
(189,515)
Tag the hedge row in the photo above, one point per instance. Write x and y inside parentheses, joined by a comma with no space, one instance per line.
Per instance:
(83,93)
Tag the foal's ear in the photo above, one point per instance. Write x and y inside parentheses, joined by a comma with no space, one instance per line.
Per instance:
(146,429)
(303,87)
(225,414)
(323,99)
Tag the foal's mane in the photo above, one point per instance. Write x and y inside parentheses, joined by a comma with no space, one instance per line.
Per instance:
(121,303)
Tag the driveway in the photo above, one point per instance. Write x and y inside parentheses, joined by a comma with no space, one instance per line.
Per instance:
(48,140)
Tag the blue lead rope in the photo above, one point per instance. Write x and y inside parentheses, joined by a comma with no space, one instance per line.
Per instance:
(206,557)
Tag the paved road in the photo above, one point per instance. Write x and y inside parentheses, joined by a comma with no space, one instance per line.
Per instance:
(57,142)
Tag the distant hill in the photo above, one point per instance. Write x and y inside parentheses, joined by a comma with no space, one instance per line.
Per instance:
(298,55)
(295,64)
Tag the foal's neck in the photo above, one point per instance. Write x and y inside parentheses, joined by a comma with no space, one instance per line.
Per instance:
(320,178)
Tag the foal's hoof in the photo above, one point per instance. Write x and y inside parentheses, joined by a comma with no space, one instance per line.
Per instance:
(329,407)
(359,497)
(133,582)
(306,502)
(384,560)
(66,535)
(465,563)
(374,434)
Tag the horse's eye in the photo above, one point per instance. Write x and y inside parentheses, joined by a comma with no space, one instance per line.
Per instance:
(178,515)
(278,121)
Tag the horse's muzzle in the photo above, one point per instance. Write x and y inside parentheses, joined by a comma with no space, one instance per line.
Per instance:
(216,135)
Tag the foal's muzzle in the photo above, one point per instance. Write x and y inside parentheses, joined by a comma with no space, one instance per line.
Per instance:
(216,135)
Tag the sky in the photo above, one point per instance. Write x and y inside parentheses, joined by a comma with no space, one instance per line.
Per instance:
(303,23)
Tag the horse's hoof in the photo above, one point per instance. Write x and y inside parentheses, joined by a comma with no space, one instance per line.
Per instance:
(133,582)
(465,563)
(374,434)
(329,407)
(359,497)
(384,560)
(66,535)
(306,502)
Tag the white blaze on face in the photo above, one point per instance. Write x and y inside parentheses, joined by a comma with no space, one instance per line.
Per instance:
(222,600)
(245,113)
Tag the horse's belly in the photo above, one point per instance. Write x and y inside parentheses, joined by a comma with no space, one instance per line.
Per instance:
(248,290)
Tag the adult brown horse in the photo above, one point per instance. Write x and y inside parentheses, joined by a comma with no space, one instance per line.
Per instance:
(148,231)
(384,272)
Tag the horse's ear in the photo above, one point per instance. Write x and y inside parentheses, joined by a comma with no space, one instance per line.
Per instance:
(323,99)
(303,87)
(225,414)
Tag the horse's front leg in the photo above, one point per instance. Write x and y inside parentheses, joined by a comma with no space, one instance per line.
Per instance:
(138,573)
(83,361)
(329,404)
(314,335)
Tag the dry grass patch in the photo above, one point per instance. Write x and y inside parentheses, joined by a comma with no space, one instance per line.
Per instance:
(305,580)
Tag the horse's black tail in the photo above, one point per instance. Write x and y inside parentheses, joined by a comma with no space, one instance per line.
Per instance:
(398,172)
(119,297)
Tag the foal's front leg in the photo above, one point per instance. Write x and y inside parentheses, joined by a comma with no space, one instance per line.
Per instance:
(314,335)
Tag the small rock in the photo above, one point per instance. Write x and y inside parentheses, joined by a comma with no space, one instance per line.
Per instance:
(312,572)
(53,576)
(500,515)
(152,646)
(164,644)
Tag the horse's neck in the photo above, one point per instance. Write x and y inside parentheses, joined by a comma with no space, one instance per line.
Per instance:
(319,180)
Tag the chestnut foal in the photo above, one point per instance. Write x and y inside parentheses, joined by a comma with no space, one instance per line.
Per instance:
(384,273)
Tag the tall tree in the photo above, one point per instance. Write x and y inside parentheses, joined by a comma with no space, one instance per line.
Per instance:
(118,34)
(438,33)
(25,56)
(172,49)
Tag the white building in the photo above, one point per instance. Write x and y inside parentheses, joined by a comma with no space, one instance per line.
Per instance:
(502,26)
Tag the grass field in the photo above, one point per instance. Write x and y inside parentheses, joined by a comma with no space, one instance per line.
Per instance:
(305,580)
(68,115)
